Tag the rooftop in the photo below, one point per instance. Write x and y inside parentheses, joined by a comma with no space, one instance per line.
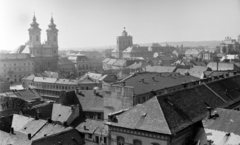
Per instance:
(147,81)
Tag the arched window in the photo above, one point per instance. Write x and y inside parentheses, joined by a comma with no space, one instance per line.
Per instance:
(137,142)
(120,140)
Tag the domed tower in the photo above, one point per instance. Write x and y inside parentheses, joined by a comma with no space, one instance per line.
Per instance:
(52,34)
(123,42)
(34,33)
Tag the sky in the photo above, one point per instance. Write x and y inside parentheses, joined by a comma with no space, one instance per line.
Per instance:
(92,23)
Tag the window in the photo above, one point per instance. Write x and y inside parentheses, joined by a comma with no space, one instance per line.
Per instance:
(120,140)
(89,135)
(97,139)
(155,143)
(137,142)
(104,140)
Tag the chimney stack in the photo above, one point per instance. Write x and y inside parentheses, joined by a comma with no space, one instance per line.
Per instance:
(12,130)
(210,112)
(29,136)
(49,120)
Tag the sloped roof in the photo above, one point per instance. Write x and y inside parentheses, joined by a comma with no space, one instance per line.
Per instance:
(91,101)
(18,49)
(93,127)
(136,48)
(148,117)
(45,80)
(64,60)
(197,71)
(175,116)
(119,62)
(222,66)
(61,113)
(182,71)
(67,81)
(160,69)
(19,121)
(162,80)
(111,61)
(192,51)
(68,137)
(228,121)
(50,129)
(88,100)
(105,60)
(33,126)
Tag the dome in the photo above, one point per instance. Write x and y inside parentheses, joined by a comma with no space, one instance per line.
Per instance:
(124,33)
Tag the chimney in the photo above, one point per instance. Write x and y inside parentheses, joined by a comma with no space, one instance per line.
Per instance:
(36,117)
(235,73)
(226,75)
(12,130)
(228,134)
(72,107)
(210,112)
(49,120)
(29,136)
(85,128)
(65,124)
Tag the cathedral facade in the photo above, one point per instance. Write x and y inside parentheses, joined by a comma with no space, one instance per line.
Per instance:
(44,55)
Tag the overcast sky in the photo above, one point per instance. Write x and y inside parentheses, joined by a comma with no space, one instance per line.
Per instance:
(92,23)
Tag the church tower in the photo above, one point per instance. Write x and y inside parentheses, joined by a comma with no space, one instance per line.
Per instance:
(34,33)
(123,42)
(52,34)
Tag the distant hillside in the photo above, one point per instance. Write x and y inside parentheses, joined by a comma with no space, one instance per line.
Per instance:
(210,44)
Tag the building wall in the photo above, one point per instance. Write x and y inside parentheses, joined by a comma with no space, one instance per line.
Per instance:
(83,67)
(129,138)
(75,114)
(16,68)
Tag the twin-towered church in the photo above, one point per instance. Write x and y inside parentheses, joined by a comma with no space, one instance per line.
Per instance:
(44,55)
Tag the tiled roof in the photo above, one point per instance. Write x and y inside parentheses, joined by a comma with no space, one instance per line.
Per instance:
(50,129)
(45,80)
(67,81)
(119,62)
(93,127)
(68,137)
(150,68)
(110,62)
(19,121)
(228,121)
(147,117)
(61,113)
(192,51)
(222,66)
(161,81)
(105,60)
(182,108)
(217,73)
(27,95)
(33,126)
(197,71)
(64,60)
(87,80)
(91,101)
(182,71)
(136,48)
(88,100)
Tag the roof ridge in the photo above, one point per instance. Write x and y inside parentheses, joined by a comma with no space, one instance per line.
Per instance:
(160,108)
